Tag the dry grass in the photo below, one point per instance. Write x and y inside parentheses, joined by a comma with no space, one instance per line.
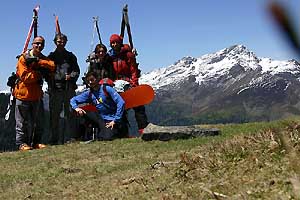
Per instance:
(245,165)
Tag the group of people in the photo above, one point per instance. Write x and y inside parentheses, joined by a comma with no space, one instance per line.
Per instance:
(61,71)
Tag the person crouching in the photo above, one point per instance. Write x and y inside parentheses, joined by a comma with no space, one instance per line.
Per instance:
(109,104)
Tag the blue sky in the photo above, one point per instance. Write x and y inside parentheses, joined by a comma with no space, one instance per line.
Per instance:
(163,31)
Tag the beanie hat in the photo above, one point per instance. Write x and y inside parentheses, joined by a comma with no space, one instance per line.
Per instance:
(116,38)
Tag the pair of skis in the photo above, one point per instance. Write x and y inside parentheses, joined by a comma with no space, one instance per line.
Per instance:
(32,28)
(125,23)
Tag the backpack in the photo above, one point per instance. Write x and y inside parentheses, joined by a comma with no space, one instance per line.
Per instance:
(126,53)
(123,126)
(12,80)
(127,48)
(104,82)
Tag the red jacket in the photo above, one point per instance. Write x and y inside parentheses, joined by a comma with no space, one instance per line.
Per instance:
(29,86)
(125,66)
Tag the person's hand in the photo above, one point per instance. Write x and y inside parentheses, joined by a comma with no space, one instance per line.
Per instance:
(31,59)
(110,125)
(133,84)
(80,111)
(68,77)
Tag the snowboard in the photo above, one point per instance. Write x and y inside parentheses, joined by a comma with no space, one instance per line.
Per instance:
(133,97)
(138,96)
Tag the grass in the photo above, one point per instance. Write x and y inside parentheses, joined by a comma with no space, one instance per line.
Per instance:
(248,161)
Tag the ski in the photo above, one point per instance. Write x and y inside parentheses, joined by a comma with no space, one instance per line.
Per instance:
(33,27)
(57,26)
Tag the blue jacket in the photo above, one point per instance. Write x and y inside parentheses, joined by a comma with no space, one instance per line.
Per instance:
(110,107)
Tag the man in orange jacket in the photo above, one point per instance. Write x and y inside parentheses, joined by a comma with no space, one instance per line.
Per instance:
(28,93)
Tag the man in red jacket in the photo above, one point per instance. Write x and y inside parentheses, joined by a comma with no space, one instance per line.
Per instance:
(125,67)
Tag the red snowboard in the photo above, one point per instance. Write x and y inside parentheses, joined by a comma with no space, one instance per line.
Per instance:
(136,96)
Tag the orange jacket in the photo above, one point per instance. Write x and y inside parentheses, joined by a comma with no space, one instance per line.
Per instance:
(29,86)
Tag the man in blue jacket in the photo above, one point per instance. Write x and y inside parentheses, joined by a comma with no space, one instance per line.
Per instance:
(109,104)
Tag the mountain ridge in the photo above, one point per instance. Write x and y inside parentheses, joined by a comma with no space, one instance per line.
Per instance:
(232,85)
(212,66)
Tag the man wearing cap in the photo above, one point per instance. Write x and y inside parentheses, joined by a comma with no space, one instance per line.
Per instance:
(61,88)
(28,93)
(125,67)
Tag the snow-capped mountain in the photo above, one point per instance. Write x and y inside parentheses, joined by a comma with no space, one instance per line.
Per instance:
(231,85)
(213,66)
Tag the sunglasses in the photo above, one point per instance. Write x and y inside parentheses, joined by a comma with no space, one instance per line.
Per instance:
(60,42)
(92,80)
(39,43)
(101,51)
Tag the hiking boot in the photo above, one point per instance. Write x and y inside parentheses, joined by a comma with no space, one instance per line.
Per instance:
(141,130)
(39,146)
(25,147)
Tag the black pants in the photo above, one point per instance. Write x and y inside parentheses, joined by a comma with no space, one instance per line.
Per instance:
(105,133)
(141,117)
(62,127)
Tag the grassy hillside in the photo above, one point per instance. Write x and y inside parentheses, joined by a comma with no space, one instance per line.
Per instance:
(248,161)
